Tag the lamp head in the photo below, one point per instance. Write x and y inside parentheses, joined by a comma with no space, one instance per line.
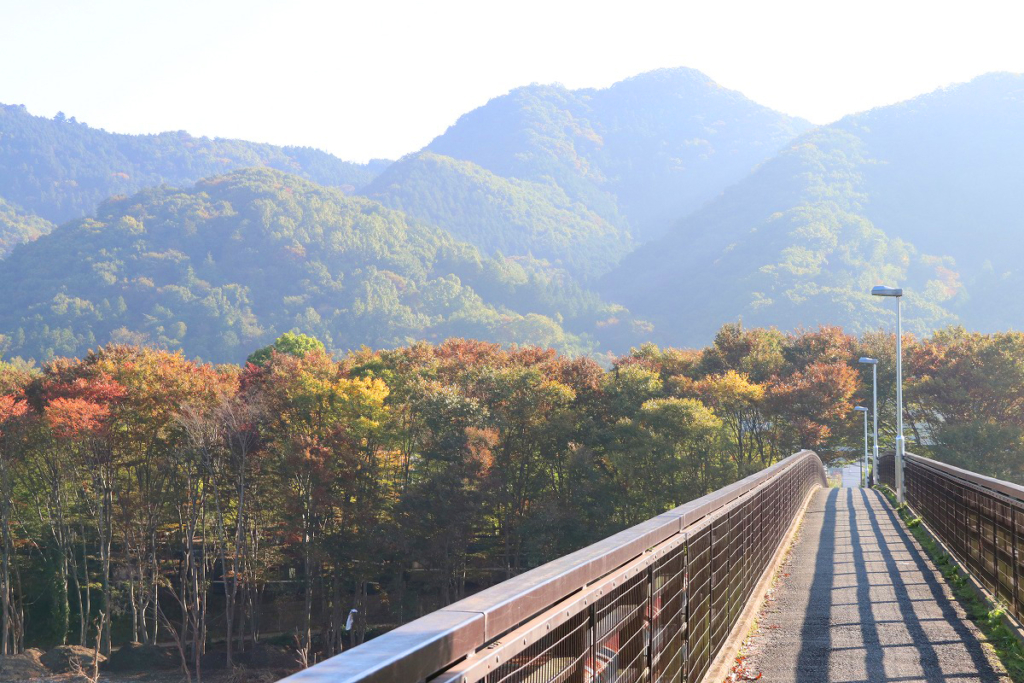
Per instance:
(861,409)
(868,361)
(882,290)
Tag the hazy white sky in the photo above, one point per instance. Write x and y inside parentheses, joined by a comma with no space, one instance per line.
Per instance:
(380,78)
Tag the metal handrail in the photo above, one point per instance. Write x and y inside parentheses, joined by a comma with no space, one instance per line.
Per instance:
(510,617)
(1006,488)
(980,520)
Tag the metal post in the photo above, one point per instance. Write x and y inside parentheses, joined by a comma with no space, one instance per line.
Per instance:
(900,493)
(650,625)
(592,645)
(864,460)
(864,463)
(1015,606)
(874,407)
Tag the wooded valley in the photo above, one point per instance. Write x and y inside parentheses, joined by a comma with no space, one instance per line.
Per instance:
(247,389)
(150,498)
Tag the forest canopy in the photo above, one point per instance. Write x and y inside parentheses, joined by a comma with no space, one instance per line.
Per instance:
(185,501)
(501,215)
(61,168)
(237,260)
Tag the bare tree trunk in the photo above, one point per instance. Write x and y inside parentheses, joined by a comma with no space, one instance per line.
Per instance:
(64,548)
(5,580)
(192,569)
(307,612)
(359,627)
(236,417)
(156,585)
(203,583)
(7,548)
(77,587)
(65,600)
(135,610)
(84,621)
(240,645)
(229,586)
(105,547)
(94,674)
(334,645)
(142,628)
(255,586)
(307,560)
(19,614)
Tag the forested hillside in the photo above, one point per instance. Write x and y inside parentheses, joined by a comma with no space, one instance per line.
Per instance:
(269,499)
(502,215)
(462,384)
(549,184)
(150,498)
(503,226)
(238,259)
(578,177)
(640,154)
(924,194)
(62,169)
(17,226)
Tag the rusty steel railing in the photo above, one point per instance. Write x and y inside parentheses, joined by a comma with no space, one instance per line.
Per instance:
(655,602)
(980,520)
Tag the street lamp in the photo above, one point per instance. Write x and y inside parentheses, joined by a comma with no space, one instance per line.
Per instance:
(864,462)
(873,362)
(898,293)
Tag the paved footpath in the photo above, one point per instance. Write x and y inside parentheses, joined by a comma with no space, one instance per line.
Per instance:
(860,601)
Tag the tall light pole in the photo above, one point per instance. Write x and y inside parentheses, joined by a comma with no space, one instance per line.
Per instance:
(873,362)
(898,293)
(864,462)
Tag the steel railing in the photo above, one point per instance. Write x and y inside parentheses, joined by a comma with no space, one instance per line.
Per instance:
(655,602)
(980,520)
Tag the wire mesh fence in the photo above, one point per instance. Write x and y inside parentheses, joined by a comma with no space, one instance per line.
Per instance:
(980,520)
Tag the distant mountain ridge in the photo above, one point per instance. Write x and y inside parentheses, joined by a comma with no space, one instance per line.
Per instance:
(60,169)
(550,216)
(925,193)
(501,215)
(575,177)
(640,153)
(578,177)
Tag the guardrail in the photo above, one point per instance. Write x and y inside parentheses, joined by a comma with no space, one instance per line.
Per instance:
(980,520)
(654,602)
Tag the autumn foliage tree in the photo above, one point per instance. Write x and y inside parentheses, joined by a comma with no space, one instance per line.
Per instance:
(168,500)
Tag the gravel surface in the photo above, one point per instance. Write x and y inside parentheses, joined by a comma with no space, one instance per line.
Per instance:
(858,600)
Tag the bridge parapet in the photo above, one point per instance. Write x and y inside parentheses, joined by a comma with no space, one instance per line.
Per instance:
(978,518)
(653,602)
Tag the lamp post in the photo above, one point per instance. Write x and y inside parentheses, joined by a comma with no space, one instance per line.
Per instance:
(873,362)
(898,293)
(864,462)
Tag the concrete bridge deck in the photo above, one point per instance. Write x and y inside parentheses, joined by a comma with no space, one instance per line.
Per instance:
(861,602)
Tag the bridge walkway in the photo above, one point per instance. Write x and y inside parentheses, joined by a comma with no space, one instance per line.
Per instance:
(861,602)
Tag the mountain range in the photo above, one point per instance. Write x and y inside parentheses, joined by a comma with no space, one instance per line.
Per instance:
(925,193)
(589,220)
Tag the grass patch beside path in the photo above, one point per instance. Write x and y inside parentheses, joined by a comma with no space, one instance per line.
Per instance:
(987,615)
